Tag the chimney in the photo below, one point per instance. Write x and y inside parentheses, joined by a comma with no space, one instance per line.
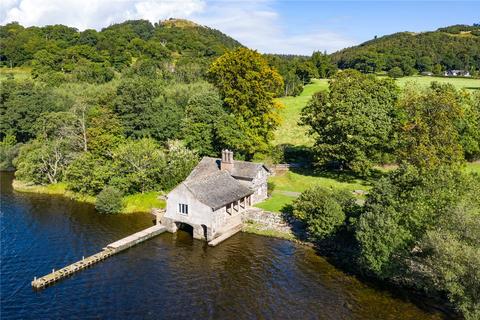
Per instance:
(227,160)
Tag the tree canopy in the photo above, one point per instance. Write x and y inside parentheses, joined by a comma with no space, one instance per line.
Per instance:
(353,122)
(248,86)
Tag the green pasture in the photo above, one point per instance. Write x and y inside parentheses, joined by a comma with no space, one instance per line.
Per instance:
(289,131)
(423,81)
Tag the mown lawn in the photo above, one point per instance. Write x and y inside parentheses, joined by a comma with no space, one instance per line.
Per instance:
(276,202)
(288,185)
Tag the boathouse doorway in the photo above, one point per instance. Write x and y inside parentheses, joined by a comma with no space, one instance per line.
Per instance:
(185,227)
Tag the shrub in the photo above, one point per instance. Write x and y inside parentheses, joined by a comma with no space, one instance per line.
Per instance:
(322,210)
(109,200)
(88,174)
(395,72)
(270,187)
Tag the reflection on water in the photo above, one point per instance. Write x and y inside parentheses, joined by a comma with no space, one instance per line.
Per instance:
(170,276)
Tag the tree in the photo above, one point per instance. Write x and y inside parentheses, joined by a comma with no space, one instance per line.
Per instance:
(135,105)
(428,135)
(248,86)
(139,165)
(325,67)
(9,149)
(104,132)
(88,174)
(422,227)
(109,200)
(468,126)
(322,210)
(42,161)
(180,162)
(453,258)
(22,103)
(352,124)
(203,117)
(395,72)
(305,71)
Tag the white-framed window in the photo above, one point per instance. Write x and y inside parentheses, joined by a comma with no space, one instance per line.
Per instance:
(183,208)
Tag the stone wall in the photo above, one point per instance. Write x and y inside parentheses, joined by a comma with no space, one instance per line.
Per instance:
(268,220)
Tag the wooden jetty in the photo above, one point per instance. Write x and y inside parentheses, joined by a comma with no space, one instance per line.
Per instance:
(109,250)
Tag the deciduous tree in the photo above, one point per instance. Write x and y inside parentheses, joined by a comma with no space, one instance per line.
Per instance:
(248,86)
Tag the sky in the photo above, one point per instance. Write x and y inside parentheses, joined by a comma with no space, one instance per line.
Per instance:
(269,26)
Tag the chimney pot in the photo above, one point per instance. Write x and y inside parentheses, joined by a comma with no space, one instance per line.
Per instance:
(227,160)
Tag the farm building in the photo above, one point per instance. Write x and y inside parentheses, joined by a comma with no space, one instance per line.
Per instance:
(456,73)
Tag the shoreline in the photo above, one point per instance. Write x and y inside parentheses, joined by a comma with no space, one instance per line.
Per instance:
(252,226)
(271,225)
(132,203)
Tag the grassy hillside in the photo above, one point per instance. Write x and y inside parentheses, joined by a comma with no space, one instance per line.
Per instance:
(17,73)
(290,132)
(459,83)
(287,186)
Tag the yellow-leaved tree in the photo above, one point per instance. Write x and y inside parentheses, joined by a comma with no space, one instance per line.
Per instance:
(248,86)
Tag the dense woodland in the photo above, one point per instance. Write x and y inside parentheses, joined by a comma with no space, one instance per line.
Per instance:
(455,47)
(132,108)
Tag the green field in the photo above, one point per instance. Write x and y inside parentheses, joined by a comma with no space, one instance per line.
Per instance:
(459,83)
(288,185)
(289,131)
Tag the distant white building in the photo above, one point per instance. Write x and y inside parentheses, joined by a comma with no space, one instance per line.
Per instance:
(456,73)
(212,197)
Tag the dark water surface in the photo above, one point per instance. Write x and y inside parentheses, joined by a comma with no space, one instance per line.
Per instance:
(171,276)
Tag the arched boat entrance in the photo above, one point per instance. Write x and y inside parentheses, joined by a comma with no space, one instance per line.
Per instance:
(185,227)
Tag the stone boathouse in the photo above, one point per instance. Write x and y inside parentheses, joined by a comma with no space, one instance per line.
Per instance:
(211,199)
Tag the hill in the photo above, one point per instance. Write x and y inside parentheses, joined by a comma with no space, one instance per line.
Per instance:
(454,47)
(94,56)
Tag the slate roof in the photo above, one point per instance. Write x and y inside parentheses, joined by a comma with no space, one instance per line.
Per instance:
(217,188)
(241,169)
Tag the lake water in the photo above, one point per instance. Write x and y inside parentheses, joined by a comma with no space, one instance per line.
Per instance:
(170,276)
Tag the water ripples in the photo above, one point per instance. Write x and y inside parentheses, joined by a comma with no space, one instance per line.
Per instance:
(170,276)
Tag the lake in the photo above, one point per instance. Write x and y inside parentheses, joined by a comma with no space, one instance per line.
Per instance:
(170,276)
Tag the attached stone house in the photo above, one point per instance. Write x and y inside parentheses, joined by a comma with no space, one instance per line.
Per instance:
(213,196)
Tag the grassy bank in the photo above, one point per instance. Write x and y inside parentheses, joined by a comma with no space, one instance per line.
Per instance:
(140,202)
(256,228)
(473,167)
